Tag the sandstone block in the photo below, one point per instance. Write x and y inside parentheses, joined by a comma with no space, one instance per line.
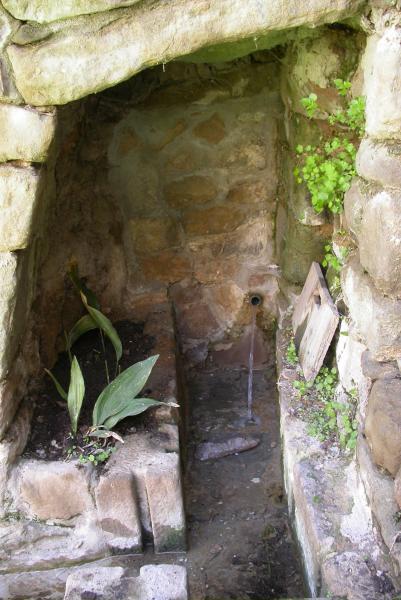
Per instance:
(382,87)
(218,219)
(226,300)
(127,31)
(51,490)
(347,575)
(190,191)
(19,191)
(152,235)
(197,321)
(354,204)
(397,488)
(164,489)
(254,192)
(212,130)
(377,318)
(380,162)
(118,513)
(52,10)
(168,267)
(383,423)
(94,582)
(8,90)
(26,133)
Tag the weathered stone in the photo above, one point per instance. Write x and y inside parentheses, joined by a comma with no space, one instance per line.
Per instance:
(213,450)
(302,245)
(19,191)
(35,585)
(383,423)
(377,318)
(164,582)
(397,488)
(347,575)
(149,461)
(380,162)
(349,353)
(225,300)
(379,489)
(218,219)
(152,235)
(381,65)
(212,130)
(378,370)
(28,545)
(192,190)
(51,490)
(168,267)
(8,90)
(94,582)
(164,490)
(9,285)
(52,10)
(26,133)
(12,446)
(128,31)
(312,64)
(118,513)
(354,203)
(254,192)
(197,321)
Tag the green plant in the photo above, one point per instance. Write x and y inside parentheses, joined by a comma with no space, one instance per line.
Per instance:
(75,394)
(302,386)
(291,354)
(327,170)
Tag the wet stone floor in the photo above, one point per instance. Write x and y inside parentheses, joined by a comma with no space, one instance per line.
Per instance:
(239,539)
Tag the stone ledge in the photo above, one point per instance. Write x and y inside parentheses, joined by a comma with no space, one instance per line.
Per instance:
(26,134)
(141,36)
(327,501)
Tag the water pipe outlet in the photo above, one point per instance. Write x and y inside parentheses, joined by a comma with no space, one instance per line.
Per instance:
(255,299)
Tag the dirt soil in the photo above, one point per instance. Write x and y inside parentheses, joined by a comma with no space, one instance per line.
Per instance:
(240,542)
(50,435)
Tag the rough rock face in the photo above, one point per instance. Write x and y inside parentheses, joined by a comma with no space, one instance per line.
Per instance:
(52,10)
(124,36)
(383,423)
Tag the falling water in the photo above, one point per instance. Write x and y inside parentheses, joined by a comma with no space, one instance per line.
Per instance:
(250,367)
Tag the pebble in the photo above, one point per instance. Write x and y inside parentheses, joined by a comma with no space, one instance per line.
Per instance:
(256,480)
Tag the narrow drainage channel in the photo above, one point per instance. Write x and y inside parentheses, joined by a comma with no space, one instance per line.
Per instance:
(239,538)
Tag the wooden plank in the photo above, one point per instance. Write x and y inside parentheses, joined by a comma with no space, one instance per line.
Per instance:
(314,322)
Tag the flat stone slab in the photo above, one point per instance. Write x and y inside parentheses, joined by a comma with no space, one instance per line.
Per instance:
(212,450)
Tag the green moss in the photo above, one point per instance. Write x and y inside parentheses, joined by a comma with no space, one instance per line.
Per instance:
(172,540)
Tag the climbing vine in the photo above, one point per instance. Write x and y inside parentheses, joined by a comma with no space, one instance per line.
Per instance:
(327,170)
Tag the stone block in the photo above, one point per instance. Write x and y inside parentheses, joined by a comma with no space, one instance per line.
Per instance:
(26,133)
(168,267)
(377,318)
(211,130)
(354,203)
(379,240)
(218,219)
(78,47)
(30,546)
(397,488)
(44,11)
(12,446)
(193,190)
(118,513)
(19,193)
(380,162)
(347,575)
(100,583)
(383,423)
(164,582)
(10,328)
(151,235)
(164,490)
(253,192)
(378,370)
(51,490)
(379,488)
(381,65)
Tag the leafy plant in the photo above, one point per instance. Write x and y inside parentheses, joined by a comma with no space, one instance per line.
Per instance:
(76,392)
(327,170)
(291,354)
(302,386)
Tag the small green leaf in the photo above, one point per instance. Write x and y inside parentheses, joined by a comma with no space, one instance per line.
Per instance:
(105,325)
(123,389)
(76,392)
(132,408)
(59,387)
(85,324)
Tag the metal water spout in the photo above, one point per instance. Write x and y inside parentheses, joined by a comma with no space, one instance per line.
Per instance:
(255,301)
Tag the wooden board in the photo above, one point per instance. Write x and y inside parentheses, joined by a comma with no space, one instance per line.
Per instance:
(314,322)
